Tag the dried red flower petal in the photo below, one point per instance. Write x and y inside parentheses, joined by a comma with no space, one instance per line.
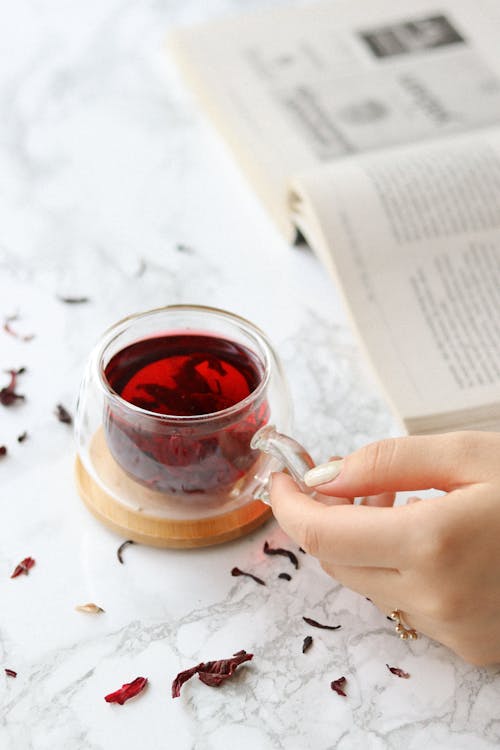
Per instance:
(121,548)
(8,329)
(91,608)
(182,248)
(3,450)
(315,624)
(183,677)
(308,641)
(8,393)
(398,672)
(338,686)
(73,300)
(10,673)
(280,551)
(23,567)
(285,576)
(212,673)
(238,572)
(127,691)
(63,414)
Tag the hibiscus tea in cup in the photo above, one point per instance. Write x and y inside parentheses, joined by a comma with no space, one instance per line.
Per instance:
(187,406)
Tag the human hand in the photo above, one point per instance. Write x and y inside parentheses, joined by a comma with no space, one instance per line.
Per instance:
(437,560)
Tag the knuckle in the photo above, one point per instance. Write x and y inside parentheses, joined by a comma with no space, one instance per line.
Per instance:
(445,606)
(379,457)
(310,540)
(463,446)
(435,545)
(465,449)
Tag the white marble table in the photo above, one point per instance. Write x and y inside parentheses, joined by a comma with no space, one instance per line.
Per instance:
(105,166)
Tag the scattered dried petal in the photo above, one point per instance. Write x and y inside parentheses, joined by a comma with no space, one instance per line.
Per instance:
(63,414)
(73,300)
(398,672)
(285,576)
(318,625)
(93,609)
(23,567)
(10,673)
(212,673)
(238,572)
(302,550)
(8,393)
(338,686)
(280,551)
(308,641)
(121,548)
(22,437)
(127,691)
(7,327)
(3,450)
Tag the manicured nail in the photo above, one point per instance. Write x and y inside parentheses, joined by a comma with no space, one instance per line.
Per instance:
(323,473)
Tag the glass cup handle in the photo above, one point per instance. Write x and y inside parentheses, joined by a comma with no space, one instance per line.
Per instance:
(290,454)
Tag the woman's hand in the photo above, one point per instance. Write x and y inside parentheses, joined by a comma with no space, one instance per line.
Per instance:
(437,560)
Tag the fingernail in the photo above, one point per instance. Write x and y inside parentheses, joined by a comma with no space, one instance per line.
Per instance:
(323,473)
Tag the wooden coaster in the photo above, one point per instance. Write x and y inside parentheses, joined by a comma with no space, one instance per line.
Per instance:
(149,526)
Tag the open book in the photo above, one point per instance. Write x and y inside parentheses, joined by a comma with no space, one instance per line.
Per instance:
(372,129)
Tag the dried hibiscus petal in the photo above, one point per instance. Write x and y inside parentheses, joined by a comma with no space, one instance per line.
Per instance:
(212,673)
(23,567)
(398,672)
(91,608)
(121,548)
(63,414)
(280,551)
(74,300)
(315,624)
(127,691)
(8,393)
(182,248)
(7,327)
(238,572)
(3,450)
(10,672)
(308,641)
(338,686)
(285,576)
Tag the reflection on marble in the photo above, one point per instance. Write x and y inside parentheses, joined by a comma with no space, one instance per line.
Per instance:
(106,166)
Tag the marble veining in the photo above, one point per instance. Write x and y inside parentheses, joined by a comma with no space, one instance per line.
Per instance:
(113,186)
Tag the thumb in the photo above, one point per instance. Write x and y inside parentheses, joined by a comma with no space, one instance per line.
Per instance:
(441,462)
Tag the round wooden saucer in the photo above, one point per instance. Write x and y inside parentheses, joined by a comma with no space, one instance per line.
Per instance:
(149,524)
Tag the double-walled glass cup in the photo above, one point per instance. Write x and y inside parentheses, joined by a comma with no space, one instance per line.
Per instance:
(179,479)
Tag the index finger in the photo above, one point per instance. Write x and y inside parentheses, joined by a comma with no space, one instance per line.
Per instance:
(355,535)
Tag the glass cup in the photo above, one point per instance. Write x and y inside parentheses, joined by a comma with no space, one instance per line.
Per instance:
(169,404)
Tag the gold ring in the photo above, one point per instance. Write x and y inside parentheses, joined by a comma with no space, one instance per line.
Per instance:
(400,628)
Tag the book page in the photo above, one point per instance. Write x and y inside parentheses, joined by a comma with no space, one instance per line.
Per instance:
(296,87)
(413,236)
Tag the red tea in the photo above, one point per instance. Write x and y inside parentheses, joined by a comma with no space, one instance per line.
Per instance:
(185,375)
